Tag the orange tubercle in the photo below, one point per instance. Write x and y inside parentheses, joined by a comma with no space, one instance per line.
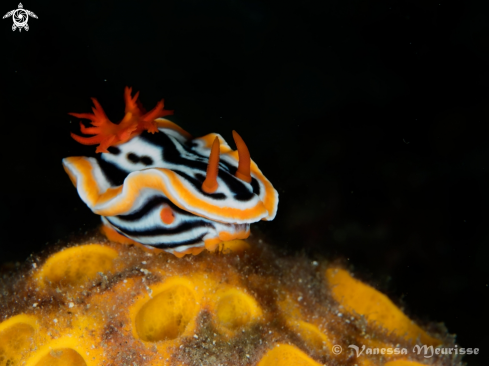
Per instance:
(244,164)
(107,133)
(210,184)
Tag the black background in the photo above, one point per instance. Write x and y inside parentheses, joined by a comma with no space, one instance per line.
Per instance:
(370,117)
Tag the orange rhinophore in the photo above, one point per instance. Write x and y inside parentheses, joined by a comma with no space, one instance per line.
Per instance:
(107,133)
(243,171)
(210,183)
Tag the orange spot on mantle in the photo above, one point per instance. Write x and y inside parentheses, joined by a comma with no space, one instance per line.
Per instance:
(166,215)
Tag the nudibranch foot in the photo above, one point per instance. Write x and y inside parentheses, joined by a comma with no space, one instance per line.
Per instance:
(207,237)
(168,190)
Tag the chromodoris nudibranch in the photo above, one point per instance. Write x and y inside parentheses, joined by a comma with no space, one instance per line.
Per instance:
(155,185)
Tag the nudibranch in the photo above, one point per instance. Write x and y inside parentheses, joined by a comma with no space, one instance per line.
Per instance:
(154,184)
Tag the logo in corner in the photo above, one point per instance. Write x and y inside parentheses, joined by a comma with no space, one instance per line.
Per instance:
(20,17)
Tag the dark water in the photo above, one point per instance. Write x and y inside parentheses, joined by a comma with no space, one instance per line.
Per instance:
(370,117)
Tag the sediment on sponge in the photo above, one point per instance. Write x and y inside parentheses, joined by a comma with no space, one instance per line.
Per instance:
(100,303)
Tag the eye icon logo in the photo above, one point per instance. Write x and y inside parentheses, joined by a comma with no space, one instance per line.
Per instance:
(20,17)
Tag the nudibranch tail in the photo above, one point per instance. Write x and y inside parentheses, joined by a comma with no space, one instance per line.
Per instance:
(168,190)
(243,171)
(210,183)
(108,134)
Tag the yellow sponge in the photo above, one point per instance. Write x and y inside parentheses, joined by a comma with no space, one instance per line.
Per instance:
(102,303)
